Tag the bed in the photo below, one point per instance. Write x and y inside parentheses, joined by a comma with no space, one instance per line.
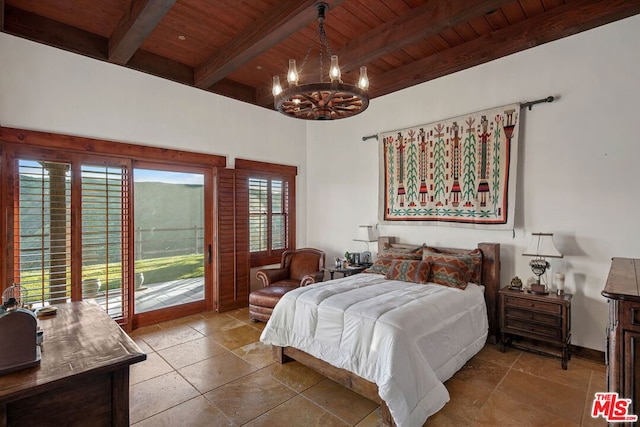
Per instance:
(376,335)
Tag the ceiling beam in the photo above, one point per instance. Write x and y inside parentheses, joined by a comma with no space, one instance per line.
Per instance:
(276,25)
(235,90)
(157,65)
(141,19)
(414,26)
(560,22)
(53,33)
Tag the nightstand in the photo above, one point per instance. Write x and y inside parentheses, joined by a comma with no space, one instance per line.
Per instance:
(544,320)
(347,271)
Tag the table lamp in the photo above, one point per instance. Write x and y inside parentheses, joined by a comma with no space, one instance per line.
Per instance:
(541,247)
(367,235)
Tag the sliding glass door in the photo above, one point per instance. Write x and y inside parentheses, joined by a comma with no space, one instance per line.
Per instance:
(170,245)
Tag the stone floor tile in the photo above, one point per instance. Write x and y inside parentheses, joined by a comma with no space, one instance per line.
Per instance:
(250,396)
(216,371)
(158,394)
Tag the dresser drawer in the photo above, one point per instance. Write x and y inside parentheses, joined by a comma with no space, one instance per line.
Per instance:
(517,326)
(539,306)
(532,316)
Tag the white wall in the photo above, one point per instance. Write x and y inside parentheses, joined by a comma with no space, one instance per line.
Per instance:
(578,161)
(47,89)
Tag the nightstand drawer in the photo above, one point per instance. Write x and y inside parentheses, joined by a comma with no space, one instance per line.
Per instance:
(539,306)
(532,316)
(532,328)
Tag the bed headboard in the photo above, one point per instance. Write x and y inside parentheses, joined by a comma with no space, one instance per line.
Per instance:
(490,275)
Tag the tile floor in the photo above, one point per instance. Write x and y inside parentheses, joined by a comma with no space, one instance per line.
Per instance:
(211,370)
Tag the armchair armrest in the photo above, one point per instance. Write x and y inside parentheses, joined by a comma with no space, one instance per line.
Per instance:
(270,275)
(316,277)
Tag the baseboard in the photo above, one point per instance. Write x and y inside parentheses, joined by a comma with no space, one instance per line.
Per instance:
(587,353)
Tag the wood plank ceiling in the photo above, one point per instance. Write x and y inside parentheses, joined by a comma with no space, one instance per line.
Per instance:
(234,47)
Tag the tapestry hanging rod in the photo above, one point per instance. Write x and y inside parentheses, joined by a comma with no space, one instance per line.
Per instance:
(529,104)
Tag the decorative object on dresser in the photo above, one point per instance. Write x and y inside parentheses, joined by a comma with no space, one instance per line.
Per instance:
(544,320)
(623,332)
(541,247)
(516,284)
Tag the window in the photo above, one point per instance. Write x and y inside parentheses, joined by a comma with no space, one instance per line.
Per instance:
(68,226)
(43,233)
(268,214)
(271,210)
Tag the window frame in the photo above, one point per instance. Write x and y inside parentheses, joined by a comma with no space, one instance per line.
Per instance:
(272,171)
(19,143)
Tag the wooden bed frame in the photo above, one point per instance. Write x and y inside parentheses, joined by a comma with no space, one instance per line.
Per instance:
(491,282)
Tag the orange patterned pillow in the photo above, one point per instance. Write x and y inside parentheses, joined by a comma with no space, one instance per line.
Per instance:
(450,270)
(476,257)
(414,271)
(381,266)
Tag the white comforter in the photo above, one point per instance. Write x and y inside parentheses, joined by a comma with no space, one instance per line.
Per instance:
(405,337)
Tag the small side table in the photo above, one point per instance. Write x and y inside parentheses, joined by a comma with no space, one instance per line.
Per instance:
(346,271)
(541,318)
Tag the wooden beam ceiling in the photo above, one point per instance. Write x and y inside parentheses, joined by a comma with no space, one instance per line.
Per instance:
(139,21)
(53,33)
(279,23)
(563,21)
(412,27)
(416,25)
(391,38)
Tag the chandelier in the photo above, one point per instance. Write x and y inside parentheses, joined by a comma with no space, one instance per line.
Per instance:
(321,100)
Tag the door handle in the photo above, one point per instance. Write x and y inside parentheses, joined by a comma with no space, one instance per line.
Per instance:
(209,255)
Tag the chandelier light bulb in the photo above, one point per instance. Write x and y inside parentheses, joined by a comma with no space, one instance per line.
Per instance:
(334,71)
(363,81)
(292,75)
(276,86)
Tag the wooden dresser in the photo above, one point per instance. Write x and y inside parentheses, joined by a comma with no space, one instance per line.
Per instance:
(83,377)
(623,332)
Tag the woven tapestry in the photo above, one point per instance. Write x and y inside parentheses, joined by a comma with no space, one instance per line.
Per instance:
(459,171)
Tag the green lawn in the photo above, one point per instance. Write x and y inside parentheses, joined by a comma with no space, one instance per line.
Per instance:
(154,270)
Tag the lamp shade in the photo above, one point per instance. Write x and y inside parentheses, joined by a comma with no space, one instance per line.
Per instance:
(366,234)
(542,246)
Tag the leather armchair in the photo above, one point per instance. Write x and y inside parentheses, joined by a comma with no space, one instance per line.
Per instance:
(299,267)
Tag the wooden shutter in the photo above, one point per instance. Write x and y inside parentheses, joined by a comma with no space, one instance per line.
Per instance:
(42,231)
(232,239)
(104,237)
(272,211)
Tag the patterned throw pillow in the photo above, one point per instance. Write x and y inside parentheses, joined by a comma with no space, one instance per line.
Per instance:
(450,270)
(476,256)
(414,271)
(381,266)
